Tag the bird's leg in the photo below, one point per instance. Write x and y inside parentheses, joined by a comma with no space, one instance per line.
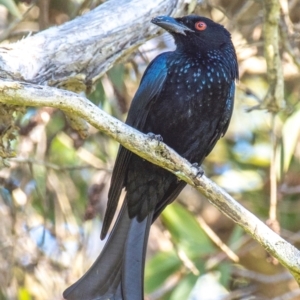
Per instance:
(200,171)
(154,136)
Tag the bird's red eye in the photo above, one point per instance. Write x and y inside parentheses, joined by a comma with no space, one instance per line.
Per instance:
(200,26)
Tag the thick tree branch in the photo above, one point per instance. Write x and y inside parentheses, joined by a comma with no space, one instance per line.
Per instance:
(17,93)
(74,55)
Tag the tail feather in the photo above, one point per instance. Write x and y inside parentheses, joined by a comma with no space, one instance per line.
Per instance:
(118,272)
(134,260)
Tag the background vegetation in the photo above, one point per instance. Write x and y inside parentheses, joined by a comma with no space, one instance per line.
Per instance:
(53,193)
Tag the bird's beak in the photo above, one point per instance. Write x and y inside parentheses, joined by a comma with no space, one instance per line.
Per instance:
(170,24)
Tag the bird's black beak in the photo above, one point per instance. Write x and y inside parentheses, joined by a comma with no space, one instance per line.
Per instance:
(170,24)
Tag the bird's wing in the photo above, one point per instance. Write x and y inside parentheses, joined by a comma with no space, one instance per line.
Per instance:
(224,120)
(228,110)
(150,87)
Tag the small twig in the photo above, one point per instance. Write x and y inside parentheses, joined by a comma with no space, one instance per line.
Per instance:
(212,235)
(64,204)
(44,14)
(266,279)
(241,11)
(289,190)
(17,21)
(284,4)
(293,52)
(272,221)
(168,285)
(188,264)
(214,261)
(249,92)
(242,293)
(56,167)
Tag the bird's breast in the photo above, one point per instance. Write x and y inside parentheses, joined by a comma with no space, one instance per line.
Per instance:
(190,105)
(197,83)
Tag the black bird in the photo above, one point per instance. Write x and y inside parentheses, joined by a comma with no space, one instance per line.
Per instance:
(186,96)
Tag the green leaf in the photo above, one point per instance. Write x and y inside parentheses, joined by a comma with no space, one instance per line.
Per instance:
(186,232)
(62,151)
(159,268)
(98,95)
(184,288)
(116,75)
(236,237)
(12,7)
(290,135)
(225,269)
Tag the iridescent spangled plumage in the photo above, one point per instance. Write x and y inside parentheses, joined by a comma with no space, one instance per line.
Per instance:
(186,96)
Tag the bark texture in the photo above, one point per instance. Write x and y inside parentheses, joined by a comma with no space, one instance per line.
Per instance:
(74,55)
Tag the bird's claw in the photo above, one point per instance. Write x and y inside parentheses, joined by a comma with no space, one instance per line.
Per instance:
(156,137)
(200,171)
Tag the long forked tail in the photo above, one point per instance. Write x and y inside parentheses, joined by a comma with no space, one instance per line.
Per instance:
(118,272)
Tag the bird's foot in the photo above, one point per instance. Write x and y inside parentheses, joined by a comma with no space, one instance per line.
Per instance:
(156,137)
(200,171)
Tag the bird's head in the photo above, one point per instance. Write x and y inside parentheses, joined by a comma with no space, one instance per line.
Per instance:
(193,31)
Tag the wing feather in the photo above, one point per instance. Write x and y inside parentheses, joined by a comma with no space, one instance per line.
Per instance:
(151,85)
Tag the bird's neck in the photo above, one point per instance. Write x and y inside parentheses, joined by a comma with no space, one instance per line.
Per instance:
(225,59)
